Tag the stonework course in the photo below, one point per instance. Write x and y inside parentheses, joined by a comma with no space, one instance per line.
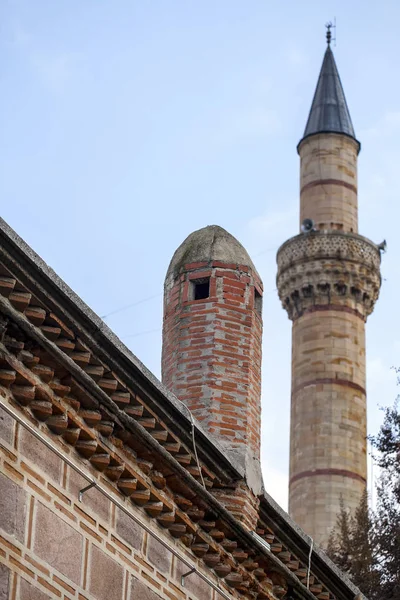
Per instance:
(328,181)
(57,547)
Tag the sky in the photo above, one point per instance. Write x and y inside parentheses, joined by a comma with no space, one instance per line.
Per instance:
(126,125)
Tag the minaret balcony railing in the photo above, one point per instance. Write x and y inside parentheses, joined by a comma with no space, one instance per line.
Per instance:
(328,268)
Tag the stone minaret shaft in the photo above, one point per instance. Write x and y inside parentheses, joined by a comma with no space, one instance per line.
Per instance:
(328,281)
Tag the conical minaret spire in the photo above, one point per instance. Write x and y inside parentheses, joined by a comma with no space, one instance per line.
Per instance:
(329,111)
(328,281)
(328,152)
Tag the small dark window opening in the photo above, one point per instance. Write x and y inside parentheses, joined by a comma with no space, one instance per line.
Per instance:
(258,302)
(201,288)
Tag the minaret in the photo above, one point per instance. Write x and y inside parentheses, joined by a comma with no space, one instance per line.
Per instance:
(328,281)
(211,353)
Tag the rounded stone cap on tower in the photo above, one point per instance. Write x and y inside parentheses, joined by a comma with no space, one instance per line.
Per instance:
(212,243)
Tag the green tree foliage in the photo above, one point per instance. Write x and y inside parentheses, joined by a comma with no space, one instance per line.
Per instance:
(352,548)
(364,565)
(340,541)
(387,513)
(366,545)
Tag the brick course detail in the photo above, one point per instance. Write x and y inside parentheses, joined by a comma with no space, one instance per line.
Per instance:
(56,547)
(211,357)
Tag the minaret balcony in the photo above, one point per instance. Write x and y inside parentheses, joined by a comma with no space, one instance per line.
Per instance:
(322,268)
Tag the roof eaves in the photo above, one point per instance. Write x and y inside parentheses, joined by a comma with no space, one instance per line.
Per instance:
(300,543)
(53,289)
(50,288)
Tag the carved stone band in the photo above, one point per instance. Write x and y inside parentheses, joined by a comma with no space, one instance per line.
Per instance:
(328,244)
(328,268)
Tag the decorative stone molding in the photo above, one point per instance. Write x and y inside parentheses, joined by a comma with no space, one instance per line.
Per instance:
(328,268)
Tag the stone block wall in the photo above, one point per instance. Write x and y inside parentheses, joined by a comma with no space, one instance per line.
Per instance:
(328,418)
(53,546)
(328,181)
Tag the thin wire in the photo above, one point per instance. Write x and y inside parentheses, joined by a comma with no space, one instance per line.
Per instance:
(195,449)
(127,306)
(264,251)
(118,310)
(132,335)
(309,563)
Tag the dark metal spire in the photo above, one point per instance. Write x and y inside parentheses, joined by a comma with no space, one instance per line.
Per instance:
(329,111)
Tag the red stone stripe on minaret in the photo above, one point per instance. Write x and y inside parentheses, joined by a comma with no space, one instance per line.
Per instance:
(316,472)
(334,308)
(330,380)
(345,184)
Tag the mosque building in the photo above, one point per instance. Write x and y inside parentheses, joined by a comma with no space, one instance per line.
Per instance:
(115,486)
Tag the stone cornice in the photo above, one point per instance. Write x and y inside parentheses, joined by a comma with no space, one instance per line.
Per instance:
(155,474)
(328,268)
(52,291)
(290,533)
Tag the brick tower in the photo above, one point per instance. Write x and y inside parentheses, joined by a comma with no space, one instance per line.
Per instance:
(328,281)
(211,354)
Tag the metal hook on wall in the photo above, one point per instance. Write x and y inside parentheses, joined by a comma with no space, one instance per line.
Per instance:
(85,489)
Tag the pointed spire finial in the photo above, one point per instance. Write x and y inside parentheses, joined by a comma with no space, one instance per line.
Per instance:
(328,33)
(329,111)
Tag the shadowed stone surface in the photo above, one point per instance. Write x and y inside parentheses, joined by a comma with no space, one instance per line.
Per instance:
(37,453)
(7,424)
(58,543)
(12,508)
(129,530)
(159,556)
(4,582)
(106,576)
(92,499)
(193,583)
(140,592)
(29,592)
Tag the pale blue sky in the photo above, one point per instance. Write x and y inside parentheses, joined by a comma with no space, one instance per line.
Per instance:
(127,124)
